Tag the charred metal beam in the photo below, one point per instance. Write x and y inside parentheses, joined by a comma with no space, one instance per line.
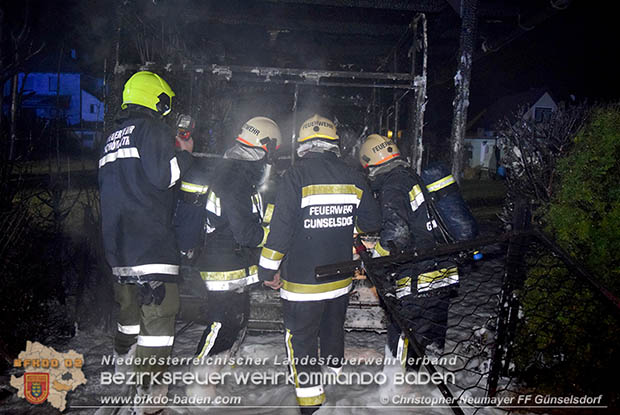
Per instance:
(334,84)
(461,85)
(294,132)
(416,120)
(316,73)
(288,75)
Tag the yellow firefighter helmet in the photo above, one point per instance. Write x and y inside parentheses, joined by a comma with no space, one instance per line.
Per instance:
(149,90)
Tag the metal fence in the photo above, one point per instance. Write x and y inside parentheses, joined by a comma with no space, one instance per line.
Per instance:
(528,320)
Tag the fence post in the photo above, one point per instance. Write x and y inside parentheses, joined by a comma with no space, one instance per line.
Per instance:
(508,315)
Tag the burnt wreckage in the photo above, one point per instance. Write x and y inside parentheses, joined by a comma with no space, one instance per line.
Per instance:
(374,67)
(364,62)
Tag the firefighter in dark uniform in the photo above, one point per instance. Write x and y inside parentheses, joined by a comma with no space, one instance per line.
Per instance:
(223,211)
(319,203)
(424,288)
(138,168)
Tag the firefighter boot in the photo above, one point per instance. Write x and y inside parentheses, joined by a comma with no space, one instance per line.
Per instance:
(309,410)
(120,365)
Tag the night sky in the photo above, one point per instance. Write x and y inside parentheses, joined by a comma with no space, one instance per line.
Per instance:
(572,52)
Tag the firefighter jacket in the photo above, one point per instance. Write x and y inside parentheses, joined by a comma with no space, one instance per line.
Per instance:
(221,210)
(319,203)
(138,168)
(406,225)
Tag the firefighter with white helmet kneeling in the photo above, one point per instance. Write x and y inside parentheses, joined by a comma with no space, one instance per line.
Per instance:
(424,287)
(320,200)
(138,169)
(220,217)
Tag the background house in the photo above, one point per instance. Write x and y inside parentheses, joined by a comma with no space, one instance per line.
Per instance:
(481,139)
(71,97)
(92,110)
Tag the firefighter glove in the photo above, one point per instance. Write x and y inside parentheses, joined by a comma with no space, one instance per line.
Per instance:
(152,293)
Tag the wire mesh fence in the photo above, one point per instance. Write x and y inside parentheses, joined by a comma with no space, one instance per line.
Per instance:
(464,362)
(558,327)
(527,320)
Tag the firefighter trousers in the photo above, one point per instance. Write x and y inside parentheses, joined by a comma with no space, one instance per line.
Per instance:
(151,326)
(227,315)
(427,316)
(309,324)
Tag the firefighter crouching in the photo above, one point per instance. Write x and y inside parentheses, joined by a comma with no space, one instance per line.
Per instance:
(424,288)
(319,202)
(138,168)
(220,213)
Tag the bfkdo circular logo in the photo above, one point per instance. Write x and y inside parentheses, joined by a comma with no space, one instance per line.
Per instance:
(36,387)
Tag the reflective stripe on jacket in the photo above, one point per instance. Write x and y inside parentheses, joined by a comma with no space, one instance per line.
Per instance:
(406,225)
(138,166)
(320,201)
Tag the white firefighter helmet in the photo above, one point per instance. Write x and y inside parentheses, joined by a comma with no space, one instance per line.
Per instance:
(260,132)
(317,127)
(377,150)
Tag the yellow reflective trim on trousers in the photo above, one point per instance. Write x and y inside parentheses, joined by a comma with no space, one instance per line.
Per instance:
(323,189)
(265,235)
(405,351)
(432,276)
(193,188)
(228,275)
(268,213)
(381,250)
(311,401)
(291,356)
(315,288)
(271,254)
(441,183)
(210,340)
